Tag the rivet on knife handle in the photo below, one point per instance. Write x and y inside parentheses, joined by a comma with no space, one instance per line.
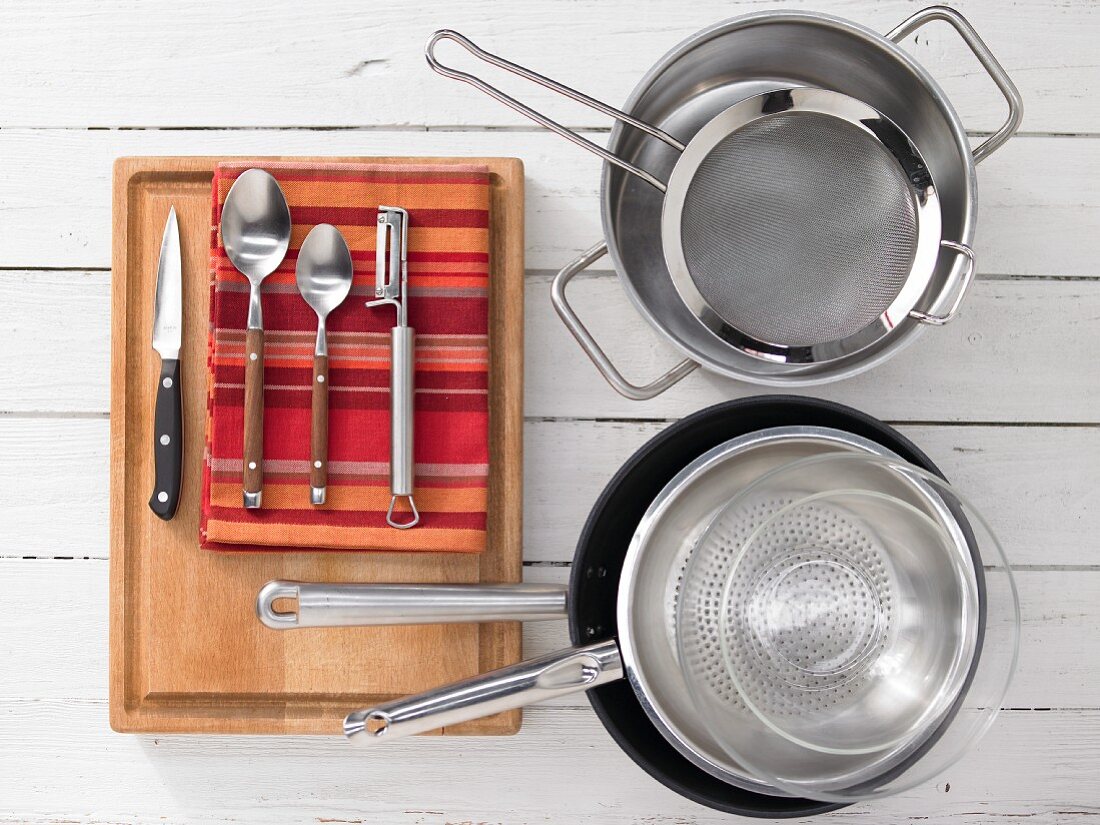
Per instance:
(167,441)
(391,287)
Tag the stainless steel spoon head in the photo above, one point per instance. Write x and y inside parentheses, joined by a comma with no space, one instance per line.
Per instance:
(255,224)
(324,271)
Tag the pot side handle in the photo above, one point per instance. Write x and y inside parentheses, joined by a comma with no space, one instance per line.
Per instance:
(608,370)
(572,670)
(936,319)
(988,61)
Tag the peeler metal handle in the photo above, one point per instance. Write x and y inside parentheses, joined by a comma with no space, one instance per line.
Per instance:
(403,344)
(392,287)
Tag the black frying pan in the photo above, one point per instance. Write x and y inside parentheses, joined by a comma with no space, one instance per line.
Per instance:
(602,547)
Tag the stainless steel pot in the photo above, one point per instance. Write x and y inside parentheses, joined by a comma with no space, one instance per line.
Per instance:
(684,94)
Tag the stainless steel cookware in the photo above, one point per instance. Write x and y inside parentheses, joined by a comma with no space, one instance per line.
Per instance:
(644,649)
(793,198)
(852,643)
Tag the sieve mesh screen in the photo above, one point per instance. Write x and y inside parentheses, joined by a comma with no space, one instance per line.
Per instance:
(799,229)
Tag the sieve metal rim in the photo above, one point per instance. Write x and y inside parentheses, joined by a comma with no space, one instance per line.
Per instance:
(857,114)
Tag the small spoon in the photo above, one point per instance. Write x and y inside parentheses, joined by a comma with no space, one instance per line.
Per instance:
(324,274)
(255,229)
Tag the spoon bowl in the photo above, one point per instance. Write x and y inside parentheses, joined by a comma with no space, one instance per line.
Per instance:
(324,272)
(255,224)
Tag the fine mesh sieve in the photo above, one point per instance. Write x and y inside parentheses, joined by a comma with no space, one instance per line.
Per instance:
(800,225)
(799,229)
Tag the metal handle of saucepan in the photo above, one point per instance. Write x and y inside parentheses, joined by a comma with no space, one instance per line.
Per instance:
(355,605)
(538,117)
(558,674)
(593,350)
(964,287)
(988,61)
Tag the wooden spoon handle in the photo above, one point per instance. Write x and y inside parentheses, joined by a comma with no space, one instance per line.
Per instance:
(254,419)
(318,450)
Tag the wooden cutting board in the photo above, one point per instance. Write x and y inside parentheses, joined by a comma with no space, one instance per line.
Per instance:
(187,652)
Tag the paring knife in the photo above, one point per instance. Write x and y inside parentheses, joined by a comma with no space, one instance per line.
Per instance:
(167,337)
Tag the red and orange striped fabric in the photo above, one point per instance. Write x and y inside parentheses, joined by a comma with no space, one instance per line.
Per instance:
(448,256)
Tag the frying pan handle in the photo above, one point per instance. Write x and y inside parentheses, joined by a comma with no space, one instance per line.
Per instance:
(988,61)
(963,251)
(593,350)
(568,671)
(538,117)
(360,605)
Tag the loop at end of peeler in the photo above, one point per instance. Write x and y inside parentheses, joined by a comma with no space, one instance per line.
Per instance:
(403,525)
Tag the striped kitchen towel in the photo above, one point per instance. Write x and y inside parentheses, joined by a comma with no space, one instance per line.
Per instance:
(448,252)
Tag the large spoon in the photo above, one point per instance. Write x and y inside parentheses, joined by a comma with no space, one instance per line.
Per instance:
(324,274)
(255,230)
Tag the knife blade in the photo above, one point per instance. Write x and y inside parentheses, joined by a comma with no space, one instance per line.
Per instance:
(167,339)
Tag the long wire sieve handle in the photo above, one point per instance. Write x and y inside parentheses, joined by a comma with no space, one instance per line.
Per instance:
(538,117)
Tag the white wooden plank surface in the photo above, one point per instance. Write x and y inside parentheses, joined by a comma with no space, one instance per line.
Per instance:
(1018,352)
(1004,400)
(561,768)
(1037,196)
(56,649)
(53,465)
(268,64)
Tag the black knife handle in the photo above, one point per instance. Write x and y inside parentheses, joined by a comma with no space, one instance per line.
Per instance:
(167,441)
